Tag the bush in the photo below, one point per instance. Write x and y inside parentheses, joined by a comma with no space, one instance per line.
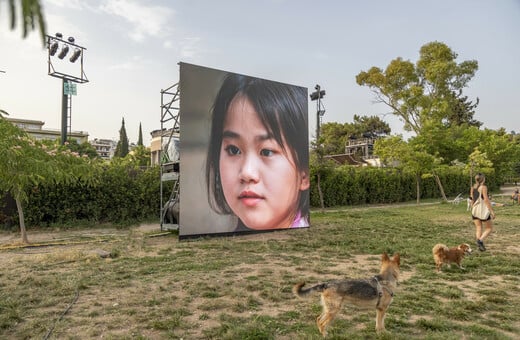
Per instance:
(347,185)
(127,193)
(123,193)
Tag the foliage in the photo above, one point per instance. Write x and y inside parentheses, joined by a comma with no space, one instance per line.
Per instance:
(335,136)
(124,192)
(140,138)
(26,163)
(31,14)
(516,168)
(73,145)
(140,156)
(348,185)
(395,152)
(428,97)
(122,147)
(428,92)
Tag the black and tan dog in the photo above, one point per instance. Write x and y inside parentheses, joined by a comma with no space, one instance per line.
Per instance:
(444,255)
(376,292)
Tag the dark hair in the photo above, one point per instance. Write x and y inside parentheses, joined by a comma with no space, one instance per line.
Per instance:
(479,179)
(281,108)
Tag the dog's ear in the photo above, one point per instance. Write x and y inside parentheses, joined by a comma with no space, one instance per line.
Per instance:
(397,258)
(385,257)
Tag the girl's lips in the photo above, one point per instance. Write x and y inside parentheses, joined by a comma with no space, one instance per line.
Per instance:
(249,198)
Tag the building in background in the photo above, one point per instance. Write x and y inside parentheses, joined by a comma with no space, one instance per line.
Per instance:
(34,128)
(170,141)
(104,147)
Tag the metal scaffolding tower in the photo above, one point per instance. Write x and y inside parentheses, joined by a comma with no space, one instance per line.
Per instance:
(169,157)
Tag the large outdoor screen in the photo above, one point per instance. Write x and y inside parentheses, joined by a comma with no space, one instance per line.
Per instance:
(244,153)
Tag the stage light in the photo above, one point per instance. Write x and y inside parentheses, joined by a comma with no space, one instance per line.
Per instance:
(53,48)
(75,55)
(54,44)
(320,111)
(63,52)
(317,95)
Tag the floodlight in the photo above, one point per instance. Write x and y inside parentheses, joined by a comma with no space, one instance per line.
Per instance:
(65,46)
(53,48)
(317,95)
(63,52)
(75,55)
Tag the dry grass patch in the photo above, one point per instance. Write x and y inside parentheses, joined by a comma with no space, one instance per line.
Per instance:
(240,287)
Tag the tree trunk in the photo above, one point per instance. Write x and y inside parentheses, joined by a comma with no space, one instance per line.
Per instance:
(438,180)
(23,231)
(418,187)
(320,194)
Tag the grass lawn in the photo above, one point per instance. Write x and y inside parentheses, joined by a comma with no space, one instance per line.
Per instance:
(155,287)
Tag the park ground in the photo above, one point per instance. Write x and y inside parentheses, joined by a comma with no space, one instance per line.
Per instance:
(141,282)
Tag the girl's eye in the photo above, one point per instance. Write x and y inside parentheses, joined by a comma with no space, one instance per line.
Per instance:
(232,150)
(266,152)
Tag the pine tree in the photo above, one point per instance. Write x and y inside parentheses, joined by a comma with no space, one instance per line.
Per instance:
(122,144)
(140,139)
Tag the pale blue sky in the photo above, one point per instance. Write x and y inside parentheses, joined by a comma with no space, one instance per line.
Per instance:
(133,47)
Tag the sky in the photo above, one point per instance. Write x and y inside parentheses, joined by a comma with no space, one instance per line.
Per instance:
(133,48)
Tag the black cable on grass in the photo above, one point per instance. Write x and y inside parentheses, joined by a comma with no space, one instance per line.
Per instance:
(76,296)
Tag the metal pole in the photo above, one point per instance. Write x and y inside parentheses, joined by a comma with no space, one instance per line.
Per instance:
(64,108)
(318,114)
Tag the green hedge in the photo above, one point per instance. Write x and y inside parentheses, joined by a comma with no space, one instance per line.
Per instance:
(347,185)
(121,194)
(125,194)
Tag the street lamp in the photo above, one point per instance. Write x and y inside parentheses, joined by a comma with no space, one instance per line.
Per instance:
(69,80)
(320,110)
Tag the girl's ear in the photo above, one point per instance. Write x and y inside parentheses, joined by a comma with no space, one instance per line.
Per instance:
(305,182)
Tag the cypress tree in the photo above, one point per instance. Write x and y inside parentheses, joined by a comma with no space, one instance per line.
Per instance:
(140,139)
(122,144)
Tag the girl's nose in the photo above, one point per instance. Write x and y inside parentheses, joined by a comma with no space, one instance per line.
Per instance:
(249,170)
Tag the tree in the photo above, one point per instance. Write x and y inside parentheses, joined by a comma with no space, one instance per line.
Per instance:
(122,144)
(500,150)
(140,139)
(31,13)
(73,145)
(478,162)
(427,92)
(396,152)
(428,97)
(25,163)
(335,136)
(317,159)
(371,126)
(140,156)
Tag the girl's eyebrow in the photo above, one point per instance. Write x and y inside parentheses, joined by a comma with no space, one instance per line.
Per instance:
(234,135)
(230,134)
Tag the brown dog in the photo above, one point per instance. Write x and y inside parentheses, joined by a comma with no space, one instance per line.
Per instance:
(444,255)
(376,292)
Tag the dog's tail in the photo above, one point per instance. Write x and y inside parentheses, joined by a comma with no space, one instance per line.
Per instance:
(439,249)
(299,291)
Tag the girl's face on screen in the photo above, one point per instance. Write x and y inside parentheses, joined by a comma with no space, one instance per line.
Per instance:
(259,179)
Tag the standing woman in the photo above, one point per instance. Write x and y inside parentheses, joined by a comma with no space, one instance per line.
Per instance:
(480,188)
